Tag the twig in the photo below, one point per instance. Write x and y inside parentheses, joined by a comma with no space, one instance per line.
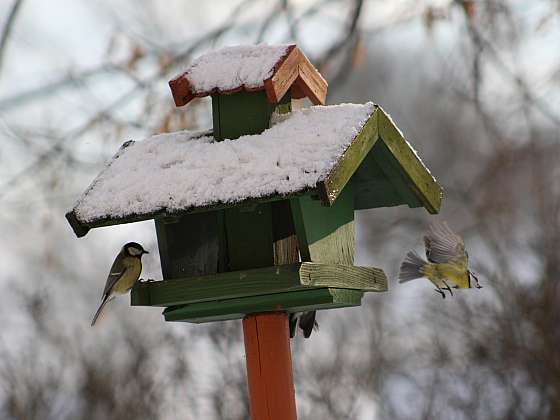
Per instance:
(7,30)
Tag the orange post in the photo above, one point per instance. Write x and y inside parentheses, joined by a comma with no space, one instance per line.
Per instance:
(269,366)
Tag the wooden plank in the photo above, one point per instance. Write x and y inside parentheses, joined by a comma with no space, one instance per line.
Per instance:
(334,183)
(298,301)
(326,234)
(163,213)
(240,114)
(402,186)
(367,279)
(299,225)
(262,281)
(283,77)
(372,188)
(80,229)
(311,83)
(219,286)
(249,237)
(427,189)
(285,242)
(269,367)
(190,245)
(181,90)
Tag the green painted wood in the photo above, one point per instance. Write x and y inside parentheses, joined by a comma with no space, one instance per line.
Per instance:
(249,237)
(260,281)
(326,234)
(299,225)
(372,188)
(402,186)
(298,301)
(243,113)
(219,286)
(350,161)
(191,245)
(420,181)
(81,227)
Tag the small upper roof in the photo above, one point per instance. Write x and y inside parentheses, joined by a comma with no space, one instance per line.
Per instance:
(315,150)
(273,68)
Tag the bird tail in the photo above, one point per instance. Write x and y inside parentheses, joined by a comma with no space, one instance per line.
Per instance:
(307,323)
(412,267)
(103,303)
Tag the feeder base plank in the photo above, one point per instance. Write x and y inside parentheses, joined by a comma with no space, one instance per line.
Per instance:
(261,281)
(299,301)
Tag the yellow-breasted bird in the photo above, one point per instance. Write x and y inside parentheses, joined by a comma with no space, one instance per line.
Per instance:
(124,272)
(447,261)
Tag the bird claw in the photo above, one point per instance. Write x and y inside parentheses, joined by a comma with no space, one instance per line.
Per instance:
(441,292)
(477,283)
(447,287)
(146,280)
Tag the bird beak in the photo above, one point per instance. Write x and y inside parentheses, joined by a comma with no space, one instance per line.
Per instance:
(145,252)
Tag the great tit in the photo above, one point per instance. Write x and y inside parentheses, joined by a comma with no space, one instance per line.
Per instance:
(307,323)
(124,272)
(447,264)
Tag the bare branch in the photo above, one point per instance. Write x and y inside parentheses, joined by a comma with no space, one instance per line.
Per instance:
(7,30)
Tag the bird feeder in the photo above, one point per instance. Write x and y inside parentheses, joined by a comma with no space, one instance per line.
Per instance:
(255,219)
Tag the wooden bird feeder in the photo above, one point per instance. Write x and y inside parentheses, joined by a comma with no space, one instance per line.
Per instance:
(260,226)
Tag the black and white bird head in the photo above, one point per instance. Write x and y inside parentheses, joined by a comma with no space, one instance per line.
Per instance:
(134,249)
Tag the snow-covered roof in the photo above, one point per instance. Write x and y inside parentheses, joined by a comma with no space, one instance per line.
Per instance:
(274,68)
(228,68)
(175,172)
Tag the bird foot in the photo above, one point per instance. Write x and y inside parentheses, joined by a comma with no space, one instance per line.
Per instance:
(448,288)
(441,292)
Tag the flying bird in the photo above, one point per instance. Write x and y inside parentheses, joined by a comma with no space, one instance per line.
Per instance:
(447,265)
(124,272)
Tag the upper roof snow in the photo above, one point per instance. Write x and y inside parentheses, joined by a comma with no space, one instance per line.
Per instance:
(274,68)
(183,170)
(231,67)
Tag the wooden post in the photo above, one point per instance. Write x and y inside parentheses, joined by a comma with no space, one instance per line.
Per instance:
(269,366)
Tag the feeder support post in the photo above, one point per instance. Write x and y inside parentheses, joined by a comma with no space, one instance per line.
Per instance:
(269,366)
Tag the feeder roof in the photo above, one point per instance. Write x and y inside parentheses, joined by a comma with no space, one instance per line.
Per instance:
(273,68)
(314,149)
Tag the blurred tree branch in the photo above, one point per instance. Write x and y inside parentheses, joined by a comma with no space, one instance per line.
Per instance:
(7,29)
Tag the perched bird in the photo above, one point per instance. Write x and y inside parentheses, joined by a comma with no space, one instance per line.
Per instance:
(307,323)
(124,272)
(447,264)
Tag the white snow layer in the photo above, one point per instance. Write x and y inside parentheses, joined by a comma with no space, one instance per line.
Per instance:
(232,67)
(182,170)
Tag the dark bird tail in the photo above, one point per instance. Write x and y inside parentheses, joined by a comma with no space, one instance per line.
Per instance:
(103,303)
(307,323)
(411,267)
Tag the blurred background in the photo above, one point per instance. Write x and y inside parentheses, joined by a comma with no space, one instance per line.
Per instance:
(474,85)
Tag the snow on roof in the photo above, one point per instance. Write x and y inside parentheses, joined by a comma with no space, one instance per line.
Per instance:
(232,67)
(178,171)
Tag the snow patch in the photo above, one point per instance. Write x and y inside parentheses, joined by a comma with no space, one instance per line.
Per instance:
(182,170)
(232,67)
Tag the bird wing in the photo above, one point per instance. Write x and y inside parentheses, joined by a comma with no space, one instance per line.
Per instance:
(442,244)
(117,271)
